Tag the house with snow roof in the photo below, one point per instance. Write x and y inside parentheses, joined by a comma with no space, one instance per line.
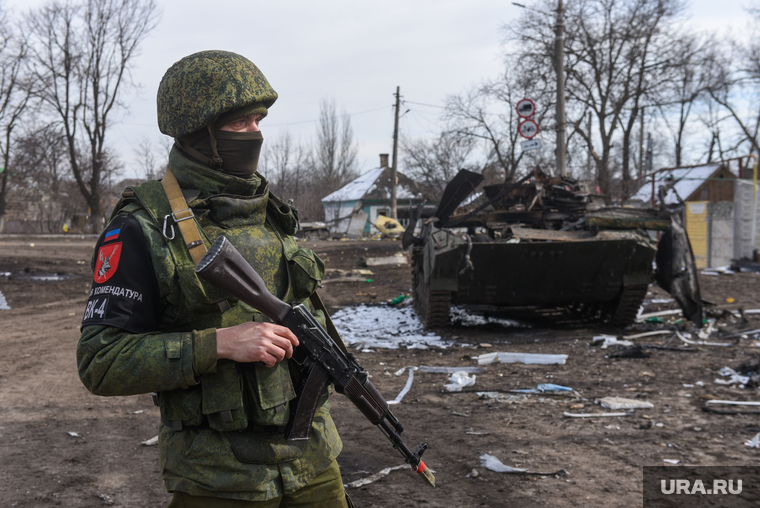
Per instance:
(355,207)
(717,209)
(709,182)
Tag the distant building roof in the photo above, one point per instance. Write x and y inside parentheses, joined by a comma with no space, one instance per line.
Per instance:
(687,181)
(355,189)
(375,184)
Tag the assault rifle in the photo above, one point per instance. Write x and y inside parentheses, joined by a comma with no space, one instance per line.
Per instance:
(317,355)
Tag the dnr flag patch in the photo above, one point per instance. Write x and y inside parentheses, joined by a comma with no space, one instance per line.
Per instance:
(108,261)
(112,235)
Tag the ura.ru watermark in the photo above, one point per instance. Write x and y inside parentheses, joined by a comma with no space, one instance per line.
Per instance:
(716,487)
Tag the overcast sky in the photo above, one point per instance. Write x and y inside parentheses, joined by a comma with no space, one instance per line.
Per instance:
(356,52)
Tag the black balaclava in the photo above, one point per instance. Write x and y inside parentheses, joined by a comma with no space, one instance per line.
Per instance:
(234,153)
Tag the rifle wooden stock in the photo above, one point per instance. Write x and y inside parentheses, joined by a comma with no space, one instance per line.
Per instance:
(317,355)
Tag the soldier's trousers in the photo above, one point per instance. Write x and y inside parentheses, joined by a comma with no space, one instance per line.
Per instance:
(324,491)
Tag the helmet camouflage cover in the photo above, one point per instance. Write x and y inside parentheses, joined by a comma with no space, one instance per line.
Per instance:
(201,87)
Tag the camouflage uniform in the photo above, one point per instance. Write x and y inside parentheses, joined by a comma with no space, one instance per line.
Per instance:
(221,422)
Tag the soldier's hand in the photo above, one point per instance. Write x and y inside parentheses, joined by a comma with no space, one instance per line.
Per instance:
(255,342)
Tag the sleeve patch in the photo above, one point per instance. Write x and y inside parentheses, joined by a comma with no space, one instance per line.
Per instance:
(107,262)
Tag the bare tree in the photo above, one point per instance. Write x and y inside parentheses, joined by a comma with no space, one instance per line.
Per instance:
(487,113)
(82,53)
(334,156)
(153,160)
(14,97)
(610,48)
(434,163)
(735,83)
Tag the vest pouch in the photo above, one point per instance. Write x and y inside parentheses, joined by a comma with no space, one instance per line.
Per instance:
(182,405)
(264,447)
(223,398)
(306,271)
(271,390)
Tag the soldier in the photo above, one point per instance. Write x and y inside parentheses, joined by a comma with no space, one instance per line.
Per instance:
(218,367)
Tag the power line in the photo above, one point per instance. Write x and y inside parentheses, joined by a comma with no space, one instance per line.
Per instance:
(423,104)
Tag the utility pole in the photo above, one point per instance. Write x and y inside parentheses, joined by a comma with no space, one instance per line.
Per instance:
(394,168)
(642,170)
(559,62)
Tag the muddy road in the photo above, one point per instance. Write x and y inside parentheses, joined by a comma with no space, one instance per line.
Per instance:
(62,446)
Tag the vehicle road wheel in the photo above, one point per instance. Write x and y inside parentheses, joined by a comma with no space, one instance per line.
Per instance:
(432,307)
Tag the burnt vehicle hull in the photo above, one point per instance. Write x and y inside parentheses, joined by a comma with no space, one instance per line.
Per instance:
(603,277)
(555,261)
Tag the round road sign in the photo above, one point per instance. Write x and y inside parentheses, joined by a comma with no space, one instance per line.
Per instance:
(526,108)
(528,129)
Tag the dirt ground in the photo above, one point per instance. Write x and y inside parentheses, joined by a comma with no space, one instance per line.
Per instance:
(62,446)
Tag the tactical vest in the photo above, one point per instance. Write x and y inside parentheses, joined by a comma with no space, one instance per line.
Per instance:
(236,396)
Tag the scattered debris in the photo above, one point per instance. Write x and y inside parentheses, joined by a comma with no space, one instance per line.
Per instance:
(374,477)
(450,370)
(595,415)
(754,442)
(502,397)
(685,337)
(73,434)
(459,380)
(397,300)
(672,462)
(150,442)
(473,474)
(543,388)
(398,259)
(615,403)
(636,351)
(609,340)
(106,500)
(471,432)
(527,358)
(733,378)
(3,303)
(708,407)
(494,464)
(406,388)
(462,317)
(672,312)
(649,334)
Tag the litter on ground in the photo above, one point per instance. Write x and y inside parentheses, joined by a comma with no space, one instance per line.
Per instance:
(459,380)
(605,341)
(615,403)
(754,442)
(527,358)
(374,477)
(595,415)
(150,442)
(406,388)
(543,388)
(494,464)
(450,370)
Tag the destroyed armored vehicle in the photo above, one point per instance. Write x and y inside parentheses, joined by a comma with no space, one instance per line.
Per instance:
(534,249)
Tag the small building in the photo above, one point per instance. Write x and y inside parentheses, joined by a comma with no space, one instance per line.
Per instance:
(708,192)
(709,182)
(354,208)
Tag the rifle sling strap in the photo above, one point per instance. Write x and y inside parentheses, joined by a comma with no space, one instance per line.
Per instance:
(184,218)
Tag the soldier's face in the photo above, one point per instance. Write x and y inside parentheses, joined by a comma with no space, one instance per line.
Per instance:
(246,124)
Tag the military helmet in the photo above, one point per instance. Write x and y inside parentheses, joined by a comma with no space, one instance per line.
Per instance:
(202,87)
